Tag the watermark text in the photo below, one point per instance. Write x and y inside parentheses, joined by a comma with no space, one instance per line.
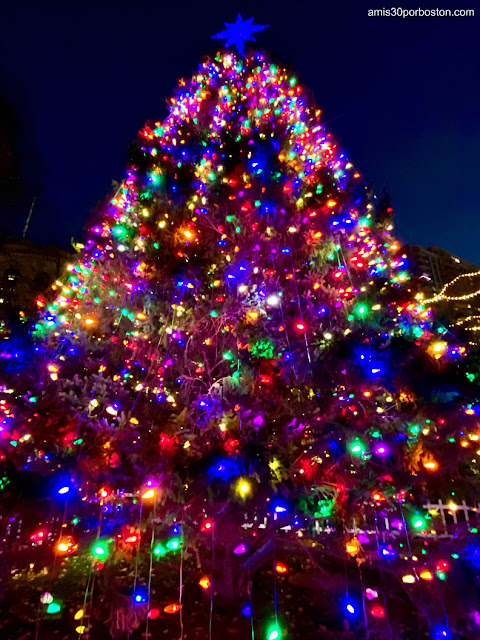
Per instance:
(399,12)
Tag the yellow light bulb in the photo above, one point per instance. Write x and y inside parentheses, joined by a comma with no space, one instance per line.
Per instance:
(204,583)
(243,488)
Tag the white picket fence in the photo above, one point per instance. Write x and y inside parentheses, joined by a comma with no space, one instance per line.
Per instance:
(446,519)
(454,515)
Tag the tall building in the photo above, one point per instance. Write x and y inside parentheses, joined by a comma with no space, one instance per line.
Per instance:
(437,266)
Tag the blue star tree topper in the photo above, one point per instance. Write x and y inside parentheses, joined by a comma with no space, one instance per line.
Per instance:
(239,32)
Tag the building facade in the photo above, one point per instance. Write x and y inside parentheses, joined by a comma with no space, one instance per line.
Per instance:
(26,271)
(437,268)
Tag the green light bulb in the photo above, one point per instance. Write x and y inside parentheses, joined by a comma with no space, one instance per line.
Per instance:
(100,549)
(159,550)
(273,633)
(174,544)
(362,309)
(54,607)
(357,447)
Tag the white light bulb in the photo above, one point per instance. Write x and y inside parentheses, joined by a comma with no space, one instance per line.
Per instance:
(273,300)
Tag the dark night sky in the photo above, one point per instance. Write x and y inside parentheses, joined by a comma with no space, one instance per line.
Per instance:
(79,78)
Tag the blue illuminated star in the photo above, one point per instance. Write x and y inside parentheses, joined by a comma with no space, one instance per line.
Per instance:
(239,32)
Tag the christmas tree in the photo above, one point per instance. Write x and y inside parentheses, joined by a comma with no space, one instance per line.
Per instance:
(238,417)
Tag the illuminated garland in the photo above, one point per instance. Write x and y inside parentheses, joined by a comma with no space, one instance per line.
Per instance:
(442,297)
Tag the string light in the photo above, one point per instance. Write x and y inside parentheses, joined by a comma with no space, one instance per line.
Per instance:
(63,490)
(159,550)
(174,544)
(240,549)
(426,575)
(441,296)
(46,598)
(377,611)
(54,607)
(243,487)
(100,550)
